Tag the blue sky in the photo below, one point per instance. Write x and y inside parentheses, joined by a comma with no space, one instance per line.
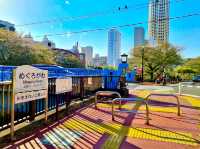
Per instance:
(184,33)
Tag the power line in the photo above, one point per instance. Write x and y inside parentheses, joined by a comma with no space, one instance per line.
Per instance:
(97,14)
(121,26)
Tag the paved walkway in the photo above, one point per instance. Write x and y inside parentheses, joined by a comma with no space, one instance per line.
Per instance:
(91,128)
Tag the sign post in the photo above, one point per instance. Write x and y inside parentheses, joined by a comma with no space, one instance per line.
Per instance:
(29,83)
(13,107)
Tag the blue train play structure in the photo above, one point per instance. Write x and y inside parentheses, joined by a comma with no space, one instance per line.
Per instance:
(110,77)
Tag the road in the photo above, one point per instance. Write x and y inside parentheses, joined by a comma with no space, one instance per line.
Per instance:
(189,88)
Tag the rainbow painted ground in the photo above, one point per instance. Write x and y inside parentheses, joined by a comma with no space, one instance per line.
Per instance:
(91,128)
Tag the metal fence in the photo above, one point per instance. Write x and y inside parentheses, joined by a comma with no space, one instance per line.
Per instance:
(85,82)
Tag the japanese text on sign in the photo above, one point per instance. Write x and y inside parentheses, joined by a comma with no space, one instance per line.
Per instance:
(29,78)
(29,96)
(30,83)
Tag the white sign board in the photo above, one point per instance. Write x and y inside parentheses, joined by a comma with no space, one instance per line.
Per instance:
(30,83)
(63,85)
(89,81)
(29,96)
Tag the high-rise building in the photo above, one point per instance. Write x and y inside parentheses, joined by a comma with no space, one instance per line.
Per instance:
(158,21)
(114,47)
(88,51)
(6,25)
(139,36)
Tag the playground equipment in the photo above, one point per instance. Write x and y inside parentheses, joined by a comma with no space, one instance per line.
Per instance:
(120,100)
(122,69)
(84,82)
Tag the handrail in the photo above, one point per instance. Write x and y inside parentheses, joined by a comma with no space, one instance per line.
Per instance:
(133,100)
(5,82)
(171,95)
(105,92)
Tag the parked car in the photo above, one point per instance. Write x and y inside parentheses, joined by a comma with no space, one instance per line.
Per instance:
(196,78)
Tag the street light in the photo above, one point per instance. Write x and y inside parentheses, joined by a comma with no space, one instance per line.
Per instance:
(123,67)
(124,58)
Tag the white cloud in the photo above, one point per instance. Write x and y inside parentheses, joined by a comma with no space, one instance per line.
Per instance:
(67,2)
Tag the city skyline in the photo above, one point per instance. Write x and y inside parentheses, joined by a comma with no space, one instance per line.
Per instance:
(99,39)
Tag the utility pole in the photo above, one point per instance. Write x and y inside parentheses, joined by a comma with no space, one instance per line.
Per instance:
(142,64)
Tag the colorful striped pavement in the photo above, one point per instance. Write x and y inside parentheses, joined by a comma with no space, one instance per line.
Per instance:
(93,128)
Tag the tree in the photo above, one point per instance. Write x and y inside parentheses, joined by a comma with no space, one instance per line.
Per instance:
(70,62)
(109,67)
(15,50)
(194,63)
(157,60)
(189,68)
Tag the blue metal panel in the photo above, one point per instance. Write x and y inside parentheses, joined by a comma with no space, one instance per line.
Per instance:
(130,77)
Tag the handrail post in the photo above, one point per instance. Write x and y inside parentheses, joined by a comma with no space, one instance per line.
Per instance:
(120,102)
(179,88)
(3,100)
(178,106)
(147,113)
(172,95)
(95,101)
(144,102)
(113,110)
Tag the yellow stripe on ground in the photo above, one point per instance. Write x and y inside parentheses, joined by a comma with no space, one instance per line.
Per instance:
(114,141)
(130,106)
(117,133)
(125,106)
(161,135)
(140,93)
(193,101)
(149,134)
(160,109)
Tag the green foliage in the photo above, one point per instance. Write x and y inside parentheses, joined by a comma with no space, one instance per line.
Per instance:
(70,62)
(157,59)
(109,67)
(184,69)
(189,68)
(14,50)
(194,64)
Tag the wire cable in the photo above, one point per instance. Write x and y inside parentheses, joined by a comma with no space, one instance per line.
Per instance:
(97,14)
(121,26)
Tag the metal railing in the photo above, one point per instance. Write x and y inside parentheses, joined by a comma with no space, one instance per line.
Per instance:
(110,94)
(132,111)
(167,95)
